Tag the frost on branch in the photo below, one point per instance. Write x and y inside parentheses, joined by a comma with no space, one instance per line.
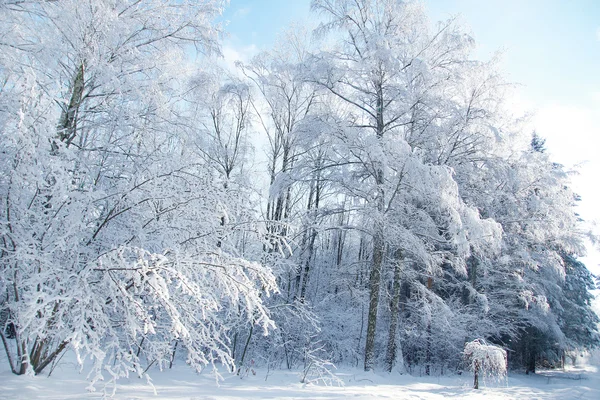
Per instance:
(159,299)
(318,369)
(485,359)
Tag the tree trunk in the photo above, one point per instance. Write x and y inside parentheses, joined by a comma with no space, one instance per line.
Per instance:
(531,360)
(173,354)
(313,235)
(374,285)
(428,351)
(473,263)
(390,356)
(378,244)
(530,350)
(67,126)
(246,348)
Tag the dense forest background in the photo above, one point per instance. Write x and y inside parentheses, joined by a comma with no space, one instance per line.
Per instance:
(360,194)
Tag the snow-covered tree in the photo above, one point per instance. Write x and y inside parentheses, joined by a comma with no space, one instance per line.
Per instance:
(485,359)
(390,72)
(110,226)
(283,103)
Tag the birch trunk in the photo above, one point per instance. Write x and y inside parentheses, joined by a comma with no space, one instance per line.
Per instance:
(391,353)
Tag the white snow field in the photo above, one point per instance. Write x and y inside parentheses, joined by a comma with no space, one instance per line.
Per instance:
(182,383)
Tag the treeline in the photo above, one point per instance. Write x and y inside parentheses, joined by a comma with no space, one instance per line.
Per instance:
(420,213)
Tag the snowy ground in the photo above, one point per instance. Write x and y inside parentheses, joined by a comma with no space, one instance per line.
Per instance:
(182,383)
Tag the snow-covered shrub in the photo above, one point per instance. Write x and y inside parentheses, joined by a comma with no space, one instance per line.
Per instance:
(318,369)
(485,359)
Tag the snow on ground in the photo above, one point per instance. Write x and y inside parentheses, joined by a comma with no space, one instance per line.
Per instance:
(182,383)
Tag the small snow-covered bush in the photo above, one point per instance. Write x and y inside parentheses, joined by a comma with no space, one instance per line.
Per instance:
(485,359)
(317,369)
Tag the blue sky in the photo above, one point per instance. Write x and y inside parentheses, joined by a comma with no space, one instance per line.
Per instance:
(544,42)
(551,48)
(257,22)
